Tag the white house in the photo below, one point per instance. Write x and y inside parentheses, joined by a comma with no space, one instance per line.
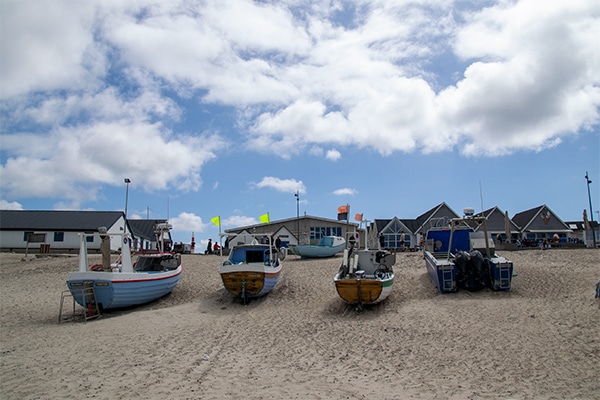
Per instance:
(45,231)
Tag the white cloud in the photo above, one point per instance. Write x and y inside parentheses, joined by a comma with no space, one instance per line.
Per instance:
(73,161)
(91,89)
(238,220)
(345,192)
(51,47)
(522,91)
(333,155)
(282,185)
(316,151)
(187,222)
(10,205)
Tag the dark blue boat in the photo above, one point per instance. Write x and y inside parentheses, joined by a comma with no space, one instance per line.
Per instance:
(457,257)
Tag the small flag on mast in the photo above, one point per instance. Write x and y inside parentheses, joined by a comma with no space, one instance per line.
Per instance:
(264,219)
(343,213)
(358,217)
(216,220)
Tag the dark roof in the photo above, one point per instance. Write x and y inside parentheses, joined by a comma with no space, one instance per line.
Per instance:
(26,220)
(380,224)
(548,221)
(144,228)
(524,217)
(421,219)
(413,225)
(442,208)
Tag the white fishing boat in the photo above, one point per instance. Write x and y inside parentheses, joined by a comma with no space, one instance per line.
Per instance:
(252,269)
(365,276)
(125,283)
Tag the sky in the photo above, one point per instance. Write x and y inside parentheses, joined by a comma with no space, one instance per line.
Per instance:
(230,107)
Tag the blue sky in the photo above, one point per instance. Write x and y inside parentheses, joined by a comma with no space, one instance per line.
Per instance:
(229,107)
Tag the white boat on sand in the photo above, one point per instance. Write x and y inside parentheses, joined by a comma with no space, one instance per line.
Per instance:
(252,269)
(365,276)
(125,283)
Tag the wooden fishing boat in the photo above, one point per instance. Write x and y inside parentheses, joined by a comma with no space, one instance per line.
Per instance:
(125,283)
(252,270)
(365,276)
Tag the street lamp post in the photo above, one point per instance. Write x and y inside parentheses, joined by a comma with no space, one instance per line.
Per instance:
(588,180)
(127,182)
(297,194)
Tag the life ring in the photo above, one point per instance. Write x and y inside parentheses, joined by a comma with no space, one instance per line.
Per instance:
(97,268)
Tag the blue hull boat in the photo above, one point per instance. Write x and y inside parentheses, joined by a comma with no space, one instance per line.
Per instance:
(329,246)
(125,283)
(458,257)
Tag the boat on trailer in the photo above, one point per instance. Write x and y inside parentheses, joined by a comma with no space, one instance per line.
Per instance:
(458,257)
(365,276)
(252,269)
(125,283)
(329,246)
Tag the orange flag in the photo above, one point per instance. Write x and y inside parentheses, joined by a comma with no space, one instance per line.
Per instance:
(343,213)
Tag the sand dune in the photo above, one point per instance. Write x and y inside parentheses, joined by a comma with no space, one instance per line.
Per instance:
(538,341)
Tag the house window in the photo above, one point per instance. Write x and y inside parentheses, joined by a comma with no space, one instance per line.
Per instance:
(392,235)
(317,233)
(26,236)
(89,239)
(59,236)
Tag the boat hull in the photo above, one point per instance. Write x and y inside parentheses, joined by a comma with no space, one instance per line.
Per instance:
(119,290)
(365,276)
(442,272)
(460,258)
(329,246)
(317,251)
(249,282)
(445,274)
(501,273)
(363,291)
(252,270)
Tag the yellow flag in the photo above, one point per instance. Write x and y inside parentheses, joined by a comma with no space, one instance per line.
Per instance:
(216,220)
(264,219)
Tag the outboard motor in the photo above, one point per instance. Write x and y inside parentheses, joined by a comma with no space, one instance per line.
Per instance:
(475,272)
(461,260)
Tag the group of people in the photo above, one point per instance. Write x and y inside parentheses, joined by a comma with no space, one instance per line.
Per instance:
(212,248)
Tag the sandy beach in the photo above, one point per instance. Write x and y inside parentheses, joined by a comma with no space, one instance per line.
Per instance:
(541,340)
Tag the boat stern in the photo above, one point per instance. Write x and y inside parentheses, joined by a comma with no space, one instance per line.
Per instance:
(442,272)
(501,272)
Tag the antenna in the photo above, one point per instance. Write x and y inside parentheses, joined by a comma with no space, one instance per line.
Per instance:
(481,196)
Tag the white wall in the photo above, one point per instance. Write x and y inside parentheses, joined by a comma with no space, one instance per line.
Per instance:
(16,240)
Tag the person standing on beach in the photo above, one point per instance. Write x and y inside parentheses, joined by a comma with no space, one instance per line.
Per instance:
(402,237)
(209,249)
(381,241)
